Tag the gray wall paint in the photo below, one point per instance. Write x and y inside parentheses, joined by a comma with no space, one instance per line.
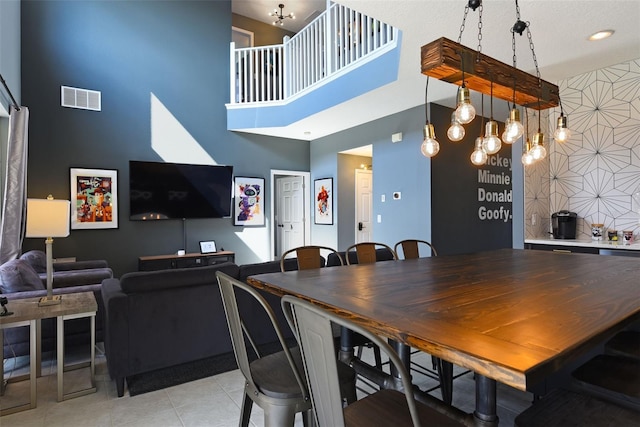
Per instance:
(177,51)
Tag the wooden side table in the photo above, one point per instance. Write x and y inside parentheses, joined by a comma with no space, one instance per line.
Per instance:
(26,312)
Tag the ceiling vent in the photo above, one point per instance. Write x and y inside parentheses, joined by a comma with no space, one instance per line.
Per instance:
(83,99)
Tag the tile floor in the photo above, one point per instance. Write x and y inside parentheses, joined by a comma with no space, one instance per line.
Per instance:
(210,402)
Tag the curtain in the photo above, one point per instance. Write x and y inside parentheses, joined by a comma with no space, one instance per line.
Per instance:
(15,190)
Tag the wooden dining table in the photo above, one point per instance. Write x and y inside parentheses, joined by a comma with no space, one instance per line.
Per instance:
(513,316)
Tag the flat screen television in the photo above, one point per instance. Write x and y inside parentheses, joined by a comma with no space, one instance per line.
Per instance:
(179,191)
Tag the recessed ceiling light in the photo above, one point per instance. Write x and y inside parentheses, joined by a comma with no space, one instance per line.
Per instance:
(601,35)
(307,132)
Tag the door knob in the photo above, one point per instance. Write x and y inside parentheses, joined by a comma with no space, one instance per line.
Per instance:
(360,226)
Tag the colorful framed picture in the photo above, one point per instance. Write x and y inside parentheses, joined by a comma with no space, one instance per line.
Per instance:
(94,199)
(248,201)
(323,199)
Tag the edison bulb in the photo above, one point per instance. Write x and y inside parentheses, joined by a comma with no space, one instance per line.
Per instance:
(479,156)
(527,158)
(465,112)
(538,151)
(562,135)
(513,129)
(456,130)
(491,143)
(430,146)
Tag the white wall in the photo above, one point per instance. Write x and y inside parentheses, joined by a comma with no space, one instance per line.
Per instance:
(597,170)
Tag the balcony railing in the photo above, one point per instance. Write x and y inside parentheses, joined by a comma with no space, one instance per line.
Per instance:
(334,41)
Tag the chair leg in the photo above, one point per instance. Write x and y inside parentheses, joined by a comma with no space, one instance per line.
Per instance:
(245,413)
(348,391)
(445,373)
(377,357)
(308,418)
(279,416)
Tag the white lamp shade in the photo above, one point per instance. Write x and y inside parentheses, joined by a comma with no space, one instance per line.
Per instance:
(48,218)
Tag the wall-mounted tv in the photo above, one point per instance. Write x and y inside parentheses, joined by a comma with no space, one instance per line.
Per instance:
(179,191)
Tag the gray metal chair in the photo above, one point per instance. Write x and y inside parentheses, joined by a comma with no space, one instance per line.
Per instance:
(385,407)
(273,382)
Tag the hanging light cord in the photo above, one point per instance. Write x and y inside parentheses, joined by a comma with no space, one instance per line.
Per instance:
(462,27)
(426,105)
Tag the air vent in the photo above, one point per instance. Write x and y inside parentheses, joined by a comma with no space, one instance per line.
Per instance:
(84,99)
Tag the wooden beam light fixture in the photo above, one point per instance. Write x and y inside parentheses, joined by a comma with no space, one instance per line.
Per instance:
(441,59)
(454,63)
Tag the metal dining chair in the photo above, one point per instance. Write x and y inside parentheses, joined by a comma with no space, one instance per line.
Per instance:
(274,382)
(412,249)
(309,257)
(312,325)
(368,253)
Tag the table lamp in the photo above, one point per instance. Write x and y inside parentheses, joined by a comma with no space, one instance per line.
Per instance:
(48,218)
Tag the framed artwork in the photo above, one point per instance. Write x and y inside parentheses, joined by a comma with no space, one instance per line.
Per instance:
(94,199)
(248,201)
(323,198)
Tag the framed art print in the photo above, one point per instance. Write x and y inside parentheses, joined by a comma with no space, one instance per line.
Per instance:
(323,199)
(94,198)
(248,201)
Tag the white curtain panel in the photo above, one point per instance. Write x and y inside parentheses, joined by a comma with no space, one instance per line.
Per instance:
(15,191)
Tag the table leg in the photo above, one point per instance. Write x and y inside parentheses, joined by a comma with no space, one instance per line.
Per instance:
(485,414)
(346,353)
(404,352)
(38,348)
(33,365)
(60,355)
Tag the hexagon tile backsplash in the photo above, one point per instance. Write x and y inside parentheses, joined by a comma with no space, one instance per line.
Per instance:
(597,172)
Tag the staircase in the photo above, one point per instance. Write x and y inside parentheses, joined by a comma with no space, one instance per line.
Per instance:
(340,55)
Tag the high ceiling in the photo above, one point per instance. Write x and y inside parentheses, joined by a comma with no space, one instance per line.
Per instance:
(559,30)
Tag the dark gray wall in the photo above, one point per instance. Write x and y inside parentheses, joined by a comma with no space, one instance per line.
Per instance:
(177,51)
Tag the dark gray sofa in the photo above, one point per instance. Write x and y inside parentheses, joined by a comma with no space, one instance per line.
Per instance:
(157,319)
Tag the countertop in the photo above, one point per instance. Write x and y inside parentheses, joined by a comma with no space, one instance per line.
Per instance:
(602,244)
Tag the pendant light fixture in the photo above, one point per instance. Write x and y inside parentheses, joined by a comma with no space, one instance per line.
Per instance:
(456,131)
(280,16)
(562,133)
(477,71)
(527,157)
(479,155)
(491,142)
(537,149)
(430,146)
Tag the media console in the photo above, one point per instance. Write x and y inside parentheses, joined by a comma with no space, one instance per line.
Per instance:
(165,262)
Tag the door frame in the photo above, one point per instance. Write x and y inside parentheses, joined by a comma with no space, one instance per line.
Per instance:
(306,179)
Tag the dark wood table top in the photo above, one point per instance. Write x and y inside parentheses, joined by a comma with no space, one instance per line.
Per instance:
(512,315)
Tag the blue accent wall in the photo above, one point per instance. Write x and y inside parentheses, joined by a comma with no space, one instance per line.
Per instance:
(175,50)
(396,167)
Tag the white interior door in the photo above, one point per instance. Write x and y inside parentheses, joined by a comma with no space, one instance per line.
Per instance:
(364,205)
(290,220)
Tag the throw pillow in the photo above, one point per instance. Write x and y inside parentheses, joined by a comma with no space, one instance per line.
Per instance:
(37,259)
(18,276)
